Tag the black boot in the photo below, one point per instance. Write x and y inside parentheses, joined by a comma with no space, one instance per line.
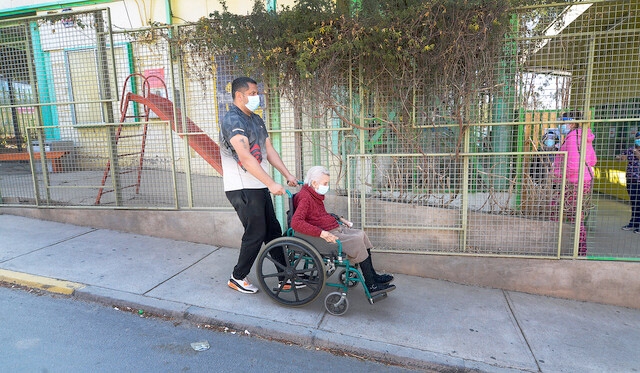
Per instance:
(369,279)
(379,278)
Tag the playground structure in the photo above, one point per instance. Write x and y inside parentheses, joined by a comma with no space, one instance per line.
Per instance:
(166,111)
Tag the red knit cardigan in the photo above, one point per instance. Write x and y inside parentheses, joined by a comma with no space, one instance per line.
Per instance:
(310,216)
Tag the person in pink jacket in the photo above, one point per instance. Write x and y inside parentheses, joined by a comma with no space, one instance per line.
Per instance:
(572,145)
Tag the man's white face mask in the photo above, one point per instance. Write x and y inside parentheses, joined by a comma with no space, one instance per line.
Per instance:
(254,102)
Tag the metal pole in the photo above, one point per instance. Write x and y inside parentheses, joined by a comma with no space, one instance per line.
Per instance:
(14,114)
(273,119)
(40,135)
(363,160)
(464,213)
(179,102)
(586,125)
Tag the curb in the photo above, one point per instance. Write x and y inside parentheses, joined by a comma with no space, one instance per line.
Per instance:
(386,353)
(51,285)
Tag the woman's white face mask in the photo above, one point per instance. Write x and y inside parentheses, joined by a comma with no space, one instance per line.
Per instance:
(322,189)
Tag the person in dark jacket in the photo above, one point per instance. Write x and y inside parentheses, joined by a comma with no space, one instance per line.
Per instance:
(632,156)
(311,218)
(542,163)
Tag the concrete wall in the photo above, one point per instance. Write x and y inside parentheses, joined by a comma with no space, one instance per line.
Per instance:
(486,233)
(615,283)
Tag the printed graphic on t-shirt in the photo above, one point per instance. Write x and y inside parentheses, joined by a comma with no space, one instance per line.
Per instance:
(256,152)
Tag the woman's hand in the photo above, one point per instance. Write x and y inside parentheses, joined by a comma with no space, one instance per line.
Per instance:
(346,222)
(328,237)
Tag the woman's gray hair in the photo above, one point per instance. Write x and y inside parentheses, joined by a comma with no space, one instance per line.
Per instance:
(315,173)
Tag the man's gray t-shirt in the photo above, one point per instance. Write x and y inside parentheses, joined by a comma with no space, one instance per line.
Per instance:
(235,122)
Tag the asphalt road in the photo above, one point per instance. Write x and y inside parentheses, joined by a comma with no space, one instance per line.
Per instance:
(40,332)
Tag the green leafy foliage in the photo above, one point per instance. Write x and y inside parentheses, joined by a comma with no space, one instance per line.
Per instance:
(386,35)
(422,53)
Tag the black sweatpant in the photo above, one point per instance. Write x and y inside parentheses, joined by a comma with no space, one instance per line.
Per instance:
(633,189)
(255,210)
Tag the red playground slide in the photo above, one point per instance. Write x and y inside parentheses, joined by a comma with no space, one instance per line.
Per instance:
(198,140)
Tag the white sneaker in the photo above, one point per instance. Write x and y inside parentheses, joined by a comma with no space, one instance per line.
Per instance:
(243,286)
(286,286)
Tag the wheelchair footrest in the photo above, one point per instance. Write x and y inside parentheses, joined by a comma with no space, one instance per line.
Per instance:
(378,297)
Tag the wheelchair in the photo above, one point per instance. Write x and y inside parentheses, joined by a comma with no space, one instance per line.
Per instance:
(309,263)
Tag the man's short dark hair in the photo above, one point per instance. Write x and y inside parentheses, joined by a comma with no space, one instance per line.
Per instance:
(239,84)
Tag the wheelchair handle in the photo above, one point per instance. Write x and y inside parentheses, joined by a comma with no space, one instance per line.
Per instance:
(289,192)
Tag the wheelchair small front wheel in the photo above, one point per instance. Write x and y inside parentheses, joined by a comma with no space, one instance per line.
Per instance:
(336,303)
(290,271)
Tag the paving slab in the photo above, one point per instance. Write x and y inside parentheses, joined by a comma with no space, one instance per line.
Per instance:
(205,285)
(20,236)
(114,260)
(445,318)
(573,336)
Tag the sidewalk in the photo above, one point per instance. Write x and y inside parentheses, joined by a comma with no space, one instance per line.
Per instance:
(424,323)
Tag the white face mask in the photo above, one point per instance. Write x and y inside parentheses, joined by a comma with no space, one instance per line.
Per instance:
(565,129)
(322,189)
(549,143)
(254,102)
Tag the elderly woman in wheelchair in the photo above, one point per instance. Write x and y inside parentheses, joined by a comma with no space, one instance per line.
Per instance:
(316,243)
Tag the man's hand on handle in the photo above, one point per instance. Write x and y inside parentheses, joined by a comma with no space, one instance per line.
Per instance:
(292,180)
(278,189)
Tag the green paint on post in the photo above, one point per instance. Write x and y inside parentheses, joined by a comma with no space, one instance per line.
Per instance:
(271,5)
(273,123)
(26,9)
(133,80)
(46,93)
(504,108)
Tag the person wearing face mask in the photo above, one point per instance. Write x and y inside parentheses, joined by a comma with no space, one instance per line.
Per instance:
(571,144)
(550,142)
(312,219)
(246,152)
(632,156)
(542,162)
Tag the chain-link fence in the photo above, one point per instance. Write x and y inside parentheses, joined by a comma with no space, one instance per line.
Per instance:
(467,161)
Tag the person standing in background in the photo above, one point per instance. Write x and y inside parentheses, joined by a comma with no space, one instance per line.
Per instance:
(571,144)
(632,156)
(542,163)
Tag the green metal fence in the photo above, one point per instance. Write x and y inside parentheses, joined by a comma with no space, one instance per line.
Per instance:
(436,171)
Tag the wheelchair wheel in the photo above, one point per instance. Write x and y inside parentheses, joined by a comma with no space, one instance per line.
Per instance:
(336,303)
(353,278)
(290,271)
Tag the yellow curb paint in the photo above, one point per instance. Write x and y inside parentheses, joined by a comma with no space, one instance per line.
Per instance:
(39,282)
